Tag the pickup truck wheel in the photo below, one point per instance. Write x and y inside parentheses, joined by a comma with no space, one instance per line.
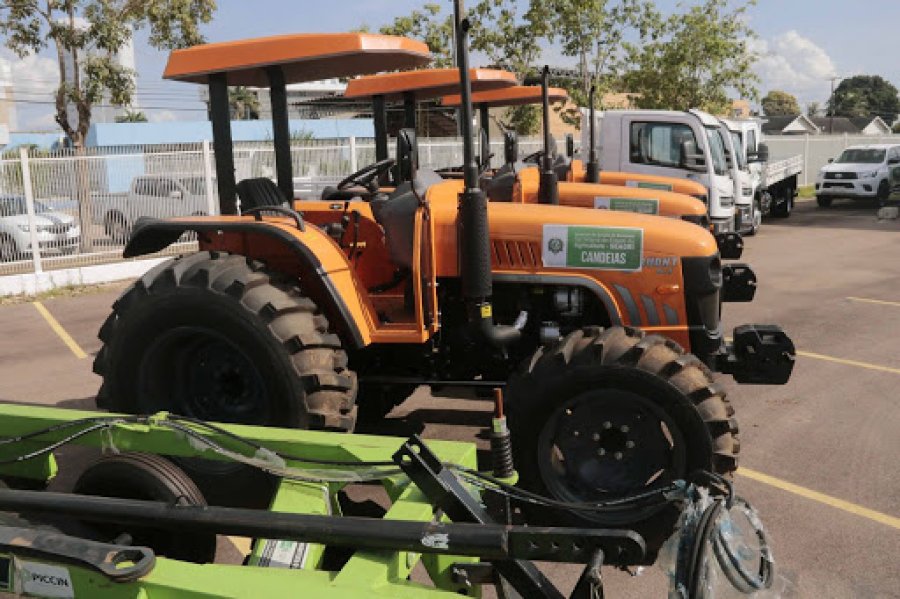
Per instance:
(609,413)
(9,249)
(824,201)
(215,336)
(784,208)
(884,193)
(116,226)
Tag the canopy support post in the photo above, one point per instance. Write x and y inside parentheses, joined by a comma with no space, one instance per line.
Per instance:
(281,132)
(220,115)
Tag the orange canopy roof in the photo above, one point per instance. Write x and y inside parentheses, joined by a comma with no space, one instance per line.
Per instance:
(425,84)
(510,96)
(303,57)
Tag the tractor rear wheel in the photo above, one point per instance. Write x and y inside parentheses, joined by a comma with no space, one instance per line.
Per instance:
(609,413)
(215,336)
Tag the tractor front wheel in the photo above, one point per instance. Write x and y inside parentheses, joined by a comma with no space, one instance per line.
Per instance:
(216,337)
(606,414)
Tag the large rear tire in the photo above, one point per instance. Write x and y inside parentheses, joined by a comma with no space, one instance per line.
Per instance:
(609,413)
(216,337)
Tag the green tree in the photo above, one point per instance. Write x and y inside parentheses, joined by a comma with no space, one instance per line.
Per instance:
(779,103)
(863,96)
(243,104)
(87,35)
(813,109)
(592,32)
(694,58)
(430,26)
(510,33)
(132,116)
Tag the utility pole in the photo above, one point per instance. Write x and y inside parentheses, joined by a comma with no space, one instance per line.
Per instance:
(833,78)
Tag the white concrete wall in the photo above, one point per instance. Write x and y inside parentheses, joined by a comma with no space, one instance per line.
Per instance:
(32,284)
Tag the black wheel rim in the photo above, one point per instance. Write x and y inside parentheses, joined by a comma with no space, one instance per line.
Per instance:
(198,372)
(609,443)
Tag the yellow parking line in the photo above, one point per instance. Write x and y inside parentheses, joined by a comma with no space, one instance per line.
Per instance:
(874,301)
(858,364)
(60,331)
(834,502)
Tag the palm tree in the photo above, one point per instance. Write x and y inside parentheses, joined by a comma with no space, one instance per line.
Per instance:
(132,116)
(244,104)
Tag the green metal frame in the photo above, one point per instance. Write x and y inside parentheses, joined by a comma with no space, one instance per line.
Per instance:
(370,573)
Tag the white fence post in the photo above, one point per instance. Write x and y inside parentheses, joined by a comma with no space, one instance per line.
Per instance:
(806,160)
(354,165)
(29,208)
(212,208)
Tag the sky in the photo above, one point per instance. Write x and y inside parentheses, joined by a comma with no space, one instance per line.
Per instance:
(802,43)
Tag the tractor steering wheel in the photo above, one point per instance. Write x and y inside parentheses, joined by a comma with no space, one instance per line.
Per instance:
(366,176)
(534,157)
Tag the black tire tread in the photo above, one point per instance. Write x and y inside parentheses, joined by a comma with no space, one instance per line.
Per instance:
(294,320)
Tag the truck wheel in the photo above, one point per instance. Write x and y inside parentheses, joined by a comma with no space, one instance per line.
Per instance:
(116,226)
(786,206)
(824,201)
(609,413)
(216,337)
(884,193)
(149,477)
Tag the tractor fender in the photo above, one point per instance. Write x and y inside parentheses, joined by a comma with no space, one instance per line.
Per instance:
(307,253)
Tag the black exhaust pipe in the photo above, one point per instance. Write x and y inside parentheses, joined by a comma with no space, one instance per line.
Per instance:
(474,233)
(593,166)
(548,190)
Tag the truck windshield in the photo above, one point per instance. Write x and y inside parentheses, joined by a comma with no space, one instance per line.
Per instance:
(861,156)
(737,142)
(716,150)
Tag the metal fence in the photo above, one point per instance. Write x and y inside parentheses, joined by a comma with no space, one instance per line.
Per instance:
(69,208)
(818,149)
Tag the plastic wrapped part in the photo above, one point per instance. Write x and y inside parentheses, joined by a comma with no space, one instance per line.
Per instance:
(719,553)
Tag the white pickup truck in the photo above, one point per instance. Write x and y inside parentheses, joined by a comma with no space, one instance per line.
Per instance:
(772,182)
(161,196)
(861,172)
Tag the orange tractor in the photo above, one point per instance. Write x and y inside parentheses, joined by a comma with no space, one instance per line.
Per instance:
(585,317)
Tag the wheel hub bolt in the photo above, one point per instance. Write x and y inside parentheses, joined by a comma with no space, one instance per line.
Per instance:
(624,428)
(629,444)
(618,455)
(595,436)
(607,424)
(601,452)
(575,433)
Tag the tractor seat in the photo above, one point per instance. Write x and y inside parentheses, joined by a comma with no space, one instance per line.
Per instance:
(396,214)
(258,193)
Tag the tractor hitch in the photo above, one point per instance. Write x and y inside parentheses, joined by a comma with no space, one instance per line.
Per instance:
(738,283)
(731,245)
(759,354)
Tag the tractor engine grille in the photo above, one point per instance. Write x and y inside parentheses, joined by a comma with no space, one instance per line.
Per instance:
(515,254)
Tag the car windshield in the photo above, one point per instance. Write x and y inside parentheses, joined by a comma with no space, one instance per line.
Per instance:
(716,149)
(737,142)
(861,156)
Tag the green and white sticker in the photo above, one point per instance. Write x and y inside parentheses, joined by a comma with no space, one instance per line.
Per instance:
(649,185)
(639,205)
(605,248)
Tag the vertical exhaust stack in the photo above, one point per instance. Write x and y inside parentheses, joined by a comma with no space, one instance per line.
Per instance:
(548,191)
(474,233)
(593,165)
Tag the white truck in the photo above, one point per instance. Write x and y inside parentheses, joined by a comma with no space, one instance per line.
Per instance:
(861,172)
(773,182)
(673,144)
(161,196)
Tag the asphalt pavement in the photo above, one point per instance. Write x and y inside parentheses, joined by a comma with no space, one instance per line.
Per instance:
(819,456)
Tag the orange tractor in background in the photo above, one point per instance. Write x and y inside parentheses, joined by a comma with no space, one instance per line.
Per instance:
(292,314)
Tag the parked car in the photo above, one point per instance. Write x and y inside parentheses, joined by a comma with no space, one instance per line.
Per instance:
(161,196)
(861,172)
(55,232)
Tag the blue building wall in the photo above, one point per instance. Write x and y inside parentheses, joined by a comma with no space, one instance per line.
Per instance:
(175,132)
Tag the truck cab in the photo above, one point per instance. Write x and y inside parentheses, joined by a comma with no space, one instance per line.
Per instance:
(673,144)
(747,216)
